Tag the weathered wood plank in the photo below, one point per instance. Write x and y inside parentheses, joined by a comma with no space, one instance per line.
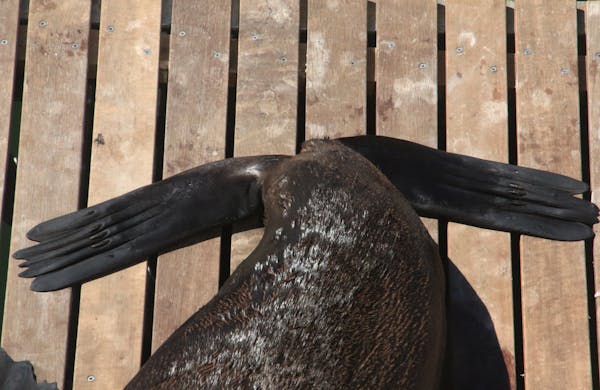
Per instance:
(406,70)
(477,125)
(592,27)
(35,325)
(9,24)
(336,66)
(267,90)
(111,314)
(555,323)
(195,134)
(406,74)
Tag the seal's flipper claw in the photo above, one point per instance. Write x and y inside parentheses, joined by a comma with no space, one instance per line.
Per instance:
(154,219)
(482,193)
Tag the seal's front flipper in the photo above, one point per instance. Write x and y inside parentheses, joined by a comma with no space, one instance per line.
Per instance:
(163,216)
(482,193)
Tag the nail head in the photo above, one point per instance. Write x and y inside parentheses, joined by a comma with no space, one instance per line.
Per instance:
(527,52)
(460,50)
(182,33)
(43,23)
(564,72)
(91,378)
(3,41)
(110,28)
(423,65)
(493,69)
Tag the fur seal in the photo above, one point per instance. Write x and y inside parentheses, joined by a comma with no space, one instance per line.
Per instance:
(345,289)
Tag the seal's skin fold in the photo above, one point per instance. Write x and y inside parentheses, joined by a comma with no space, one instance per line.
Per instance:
(345,289)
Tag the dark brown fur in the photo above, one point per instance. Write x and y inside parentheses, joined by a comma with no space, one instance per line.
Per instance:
(345,290)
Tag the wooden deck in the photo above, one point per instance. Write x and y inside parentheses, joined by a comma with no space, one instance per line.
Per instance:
(102,99)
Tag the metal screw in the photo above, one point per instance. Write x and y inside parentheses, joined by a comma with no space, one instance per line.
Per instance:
(4,42)
(254,37)
(493,69)
(283,59)
(43,23)
(217,54)
(75,45)
(564,72)
(527,52)
(91,378)
(147,51)
(391,45)
(110,28)
(460,50)
(182,33)
(423,65)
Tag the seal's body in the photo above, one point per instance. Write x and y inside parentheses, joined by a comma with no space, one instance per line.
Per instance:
(345,290)
(344,275)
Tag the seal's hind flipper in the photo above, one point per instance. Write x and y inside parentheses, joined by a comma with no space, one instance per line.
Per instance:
(163,216)
(482,193)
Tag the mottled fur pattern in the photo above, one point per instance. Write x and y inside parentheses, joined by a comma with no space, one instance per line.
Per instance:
(344,276)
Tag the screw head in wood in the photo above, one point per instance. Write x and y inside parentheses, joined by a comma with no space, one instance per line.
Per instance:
(3,41)
(460,50)
(110,28)
(43,23)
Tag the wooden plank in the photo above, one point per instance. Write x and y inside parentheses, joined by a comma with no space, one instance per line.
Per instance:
(477,125)
(9,23)
(592,27)
(267,89)
(555,315)
(35,325)
(406,70)
(406,74)
(111,313)
(195,134)
(336,66)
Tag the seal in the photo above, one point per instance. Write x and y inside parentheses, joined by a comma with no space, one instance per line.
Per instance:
(345,289)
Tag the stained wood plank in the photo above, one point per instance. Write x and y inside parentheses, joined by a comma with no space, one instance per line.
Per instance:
(477,125)
(406,74)
(35,325)
(406,70)
(9,23)
(195,134)
(267,89)
(555,323)
(111,313)
(592,31)
(336,65)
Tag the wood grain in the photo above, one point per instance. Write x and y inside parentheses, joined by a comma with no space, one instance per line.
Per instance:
(35,325)
(477,125)
(195,134)
(111,314)
(336,66)
(406,74)
(9,24)
(267,90)
(555,323)
(592,33)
